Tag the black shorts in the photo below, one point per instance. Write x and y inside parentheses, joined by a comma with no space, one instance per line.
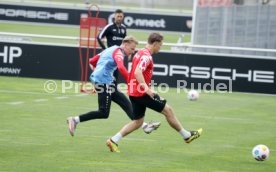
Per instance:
(139,105)
(110,92)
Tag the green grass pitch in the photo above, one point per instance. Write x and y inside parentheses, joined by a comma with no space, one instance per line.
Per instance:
(34,134)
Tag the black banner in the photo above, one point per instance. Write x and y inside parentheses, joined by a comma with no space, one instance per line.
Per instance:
(212,72)
(39,61)
(174,69)
(141,21)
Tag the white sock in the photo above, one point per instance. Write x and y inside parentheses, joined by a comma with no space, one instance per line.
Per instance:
(77,119)
(143,125)
(117,137)
(186,134)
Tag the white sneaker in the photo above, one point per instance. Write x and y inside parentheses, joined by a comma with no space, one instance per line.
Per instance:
(72,125)
(151,126)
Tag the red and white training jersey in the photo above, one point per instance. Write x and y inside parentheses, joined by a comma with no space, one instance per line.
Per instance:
(144,61)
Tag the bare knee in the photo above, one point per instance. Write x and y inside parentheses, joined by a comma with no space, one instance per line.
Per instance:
(167,111)
(138,123)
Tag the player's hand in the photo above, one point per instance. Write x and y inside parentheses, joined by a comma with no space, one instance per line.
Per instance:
(151,93)
(156,97)
(91,67)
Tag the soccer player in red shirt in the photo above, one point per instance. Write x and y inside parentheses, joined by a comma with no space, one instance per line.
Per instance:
(142,97)
(103,66)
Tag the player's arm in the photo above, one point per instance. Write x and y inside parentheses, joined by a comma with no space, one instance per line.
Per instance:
(102,35)
(140,78)
(119,60)
(125,32)
(93,61)
(144,62)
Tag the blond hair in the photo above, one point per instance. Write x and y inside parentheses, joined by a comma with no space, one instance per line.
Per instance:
(130,39)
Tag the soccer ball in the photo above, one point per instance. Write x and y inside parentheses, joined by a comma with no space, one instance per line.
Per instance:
(193,95)
(260,152)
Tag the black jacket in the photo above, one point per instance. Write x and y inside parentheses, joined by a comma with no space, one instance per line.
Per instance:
(114,35)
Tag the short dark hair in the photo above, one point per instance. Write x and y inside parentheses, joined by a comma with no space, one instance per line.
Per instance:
(119,11)
(155,37)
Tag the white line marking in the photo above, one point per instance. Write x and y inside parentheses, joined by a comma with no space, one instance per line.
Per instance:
(15,103)
(42,93)
(40,100)
(81,95)
(28,143)
(220,118)
(229,146)
(5,130)
(139,139)
(62,97)
(132,139)
(26,92)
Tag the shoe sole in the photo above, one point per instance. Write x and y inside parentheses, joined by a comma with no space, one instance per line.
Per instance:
(70,126)
(109,145)
(154,128)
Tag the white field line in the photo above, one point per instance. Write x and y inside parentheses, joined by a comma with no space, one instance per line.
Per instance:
(28,143)
(133,139)
(15,103)
(5,130)
(27,92)
(229,146)
(221,118)
(81,95)
(217,145)
(61,97)
(40,100)
(42,93)
(206,117)
(226,146)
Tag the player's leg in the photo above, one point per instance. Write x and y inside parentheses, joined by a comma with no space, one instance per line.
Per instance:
(171,118)
(112,143)
(120,98)
(138,113)
(160,105)
(104,103)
